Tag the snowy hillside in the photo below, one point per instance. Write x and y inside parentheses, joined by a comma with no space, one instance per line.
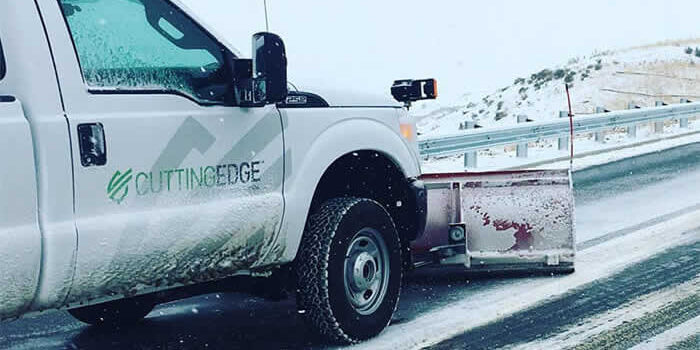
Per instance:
(665,71)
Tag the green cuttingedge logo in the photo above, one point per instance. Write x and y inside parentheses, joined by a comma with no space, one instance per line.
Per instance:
(182,179)
(118,187)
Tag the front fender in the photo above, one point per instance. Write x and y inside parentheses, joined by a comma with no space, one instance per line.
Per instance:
(311,153)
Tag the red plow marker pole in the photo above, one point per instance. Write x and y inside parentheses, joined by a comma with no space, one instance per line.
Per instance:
(571,129)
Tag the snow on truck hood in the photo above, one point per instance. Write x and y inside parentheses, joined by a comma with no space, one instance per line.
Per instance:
(349,98)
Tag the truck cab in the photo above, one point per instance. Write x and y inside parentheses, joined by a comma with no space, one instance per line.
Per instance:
(142,154)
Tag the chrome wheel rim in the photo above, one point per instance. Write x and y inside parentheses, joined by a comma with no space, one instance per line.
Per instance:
(366,271)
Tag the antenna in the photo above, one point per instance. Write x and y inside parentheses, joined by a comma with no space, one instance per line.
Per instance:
(571,129)
(267,23)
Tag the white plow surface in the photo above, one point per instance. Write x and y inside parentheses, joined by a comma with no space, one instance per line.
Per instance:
(594,263)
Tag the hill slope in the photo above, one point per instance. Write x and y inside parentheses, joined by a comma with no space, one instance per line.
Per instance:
(665,71)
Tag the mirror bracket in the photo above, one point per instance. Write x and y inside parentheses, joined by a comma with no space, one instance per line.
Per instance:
(248,91)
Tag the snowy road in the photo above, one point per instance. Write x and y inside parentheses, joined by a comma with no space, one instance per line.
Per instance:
(638,225)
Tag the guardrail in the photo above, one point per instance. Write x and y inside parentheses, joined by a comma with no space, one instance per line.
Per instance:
(470,141)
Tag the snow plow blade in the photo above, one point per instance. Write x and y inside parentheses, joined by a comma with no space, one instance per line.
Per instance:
(498,221)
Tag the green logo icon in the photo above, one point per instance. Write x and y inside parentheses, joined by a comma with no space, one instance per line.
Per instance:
(118,187)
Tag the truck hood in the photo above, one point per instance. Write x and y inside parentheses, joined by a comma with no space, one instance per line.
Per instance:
(349,98)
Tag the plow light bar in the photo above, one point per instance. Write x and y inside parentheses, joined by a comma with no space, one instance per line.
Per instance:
(408,90)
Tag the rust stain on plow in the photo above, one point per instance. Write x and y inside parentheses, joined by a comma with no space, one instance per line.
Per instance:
(523,231)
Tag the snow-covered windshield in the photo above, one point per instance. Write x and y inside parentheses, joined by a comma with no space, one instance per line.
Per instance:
(145,45)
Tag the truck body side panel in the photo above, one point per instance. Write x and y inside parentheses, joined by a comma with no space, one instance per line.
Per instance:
(20,250)
(189,193)
(31,78)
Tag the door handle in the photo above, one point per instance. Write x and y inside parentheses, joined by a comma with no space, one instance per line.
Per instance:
(7,99)
(93,148)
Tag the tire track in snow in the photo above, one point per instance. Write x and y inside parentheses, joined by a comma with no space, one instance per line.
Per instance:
(690,343)
(640,312)
(667,269)
(645,327)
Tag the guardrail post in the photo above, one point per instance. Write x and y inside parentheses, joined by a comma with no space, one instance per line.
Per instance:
(684,121)
(659,126)
(599,135)
(521,151)
(470,157)
(564,140)
(632,129)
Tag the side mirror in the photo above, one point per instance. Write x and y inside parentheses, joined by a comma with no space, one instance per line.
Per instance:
(270,65)
(262,80)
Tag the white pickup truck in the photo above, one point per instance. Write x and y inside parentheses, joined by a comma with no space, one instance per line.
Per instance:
(142,156)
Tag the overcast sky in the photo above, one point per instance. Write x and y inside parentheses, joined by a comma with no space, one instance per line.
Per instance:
(469,46)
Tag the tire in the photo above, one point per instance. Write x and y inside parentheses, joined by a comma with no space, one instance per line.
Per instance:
(349,270)
(115,313)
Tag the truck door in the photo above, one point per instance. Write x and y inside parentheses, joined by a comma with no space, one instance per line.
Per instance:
(173,184)
(20,247)
(20,250)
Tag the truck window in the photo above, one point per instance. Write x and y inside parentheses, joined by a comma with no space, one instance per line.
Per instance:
(146,46)
(3,68)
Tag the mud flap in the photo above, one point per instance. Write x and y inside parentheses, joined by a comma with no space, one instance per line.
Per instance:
(499,221)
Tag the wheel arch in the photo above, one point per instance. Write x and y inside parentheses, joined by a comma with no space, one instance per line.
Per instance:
(324,169)
(374,175)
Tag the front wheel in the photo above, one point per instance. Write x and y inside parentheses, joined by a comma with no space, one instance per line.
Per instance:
(349,270)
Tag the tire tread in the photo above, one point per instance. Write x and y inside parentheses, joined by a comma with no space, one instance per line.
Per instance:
(312,268)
